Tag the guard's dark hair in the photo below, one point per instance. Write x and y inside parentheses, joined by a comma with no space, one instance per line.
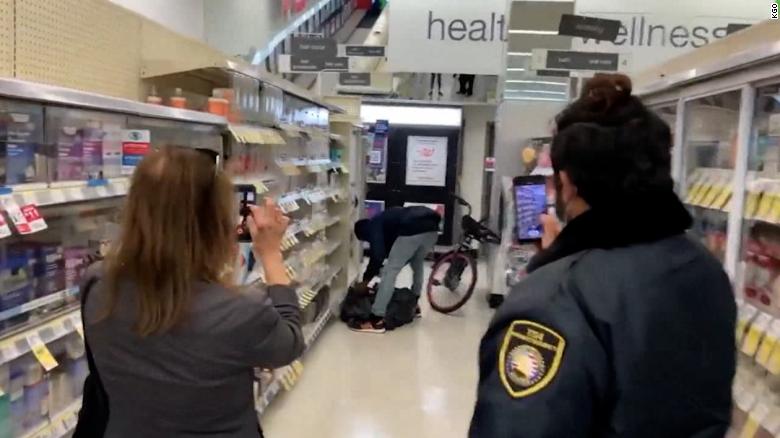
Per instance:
(611,145)
(361,229)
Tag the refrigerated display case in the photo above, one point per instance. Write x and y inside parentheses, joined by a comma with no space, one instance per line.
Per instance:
(709,151)
(727,166)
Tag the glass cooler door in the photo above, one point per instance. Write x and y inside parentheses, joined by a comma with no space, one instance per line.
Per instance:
(760,258)
(709,152)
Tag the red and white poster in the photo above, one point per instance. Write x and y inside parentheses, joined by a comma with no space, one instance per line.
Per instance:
(426,161)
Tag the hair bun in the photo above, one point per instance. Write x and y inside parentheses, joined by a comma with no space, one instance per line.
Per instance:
(606,90)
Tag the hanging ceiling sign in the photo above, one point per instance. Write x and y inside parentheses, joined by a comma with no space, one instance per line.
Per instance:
(572,60)
(553,73)
(366,51)
(589,27)
(314,45)
(355,79)
(655,31)
(447,36)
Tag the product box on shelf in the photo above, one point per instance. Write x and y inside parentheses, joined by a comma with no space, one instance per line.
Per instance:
(21,139)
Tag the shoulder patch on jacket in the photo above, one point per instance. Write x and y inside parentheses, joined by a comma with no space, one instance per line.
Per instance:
(529,358)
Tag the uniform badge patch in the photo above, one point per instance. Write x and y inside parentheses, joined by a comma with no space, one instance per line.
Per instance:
(529,358)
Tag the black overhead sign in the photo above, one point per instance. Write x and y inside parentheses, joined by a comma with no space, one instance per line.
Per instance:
(313,46)
(336,64)
(553,73)
(355,79)
(373,51)
(570,60)
(589,27)
(304,64)
(735,27)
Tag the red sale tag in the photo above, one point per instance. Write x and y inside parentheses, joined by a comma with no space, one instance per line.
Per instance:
(15,213)
(34,218)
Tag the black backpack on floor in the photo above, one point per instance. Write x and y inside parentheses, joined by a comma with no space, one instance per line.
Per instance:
(356,305)
(401,309)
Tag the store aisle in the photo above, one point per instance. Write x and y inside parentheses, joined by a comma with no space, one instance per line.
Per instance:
(416,381)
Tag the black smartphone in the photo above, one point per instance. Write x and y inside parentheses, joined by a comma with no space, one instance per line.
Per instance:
(246,195)
(530,203)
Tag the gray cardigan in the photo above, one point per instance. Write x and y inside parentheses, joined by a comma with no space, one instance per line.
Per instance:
(196,380)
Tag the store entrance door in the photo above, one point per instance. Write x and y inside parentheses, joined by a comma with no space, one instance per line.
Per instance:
(428,176)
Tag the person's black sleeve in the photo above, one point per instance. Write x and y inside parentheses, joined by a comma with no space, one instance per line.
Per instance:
(376,251)
(524,392)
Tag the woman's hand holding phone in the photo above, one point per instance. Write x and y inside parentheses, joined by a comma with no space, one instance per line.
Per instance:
(267,225)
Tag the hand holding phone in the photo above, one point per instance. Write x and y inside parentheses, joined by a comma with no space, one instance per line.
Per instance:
(530,204)
(246,196)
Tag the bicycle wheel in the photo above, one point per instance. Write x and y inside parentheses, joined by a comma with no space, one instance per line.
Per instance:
(452,281)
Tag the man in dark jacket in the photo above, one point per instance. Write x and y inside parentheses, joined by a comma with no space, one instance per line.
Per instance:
(403,236)
(625,325)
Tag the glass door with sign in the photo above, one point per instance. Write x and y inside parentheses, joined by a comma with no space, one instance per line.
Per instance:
(709,153)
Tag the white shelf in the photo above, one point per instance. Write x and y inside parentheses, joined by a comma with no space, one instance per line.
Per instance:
(38,303)
(60,424)
(73,191)
(60,325)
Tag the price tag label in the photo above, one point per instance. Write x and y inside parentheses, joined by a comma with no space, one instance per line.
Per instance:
(751,205)
(34,218)
(768,344)
(15,213)
(41,352)
(755,333)
(745,314)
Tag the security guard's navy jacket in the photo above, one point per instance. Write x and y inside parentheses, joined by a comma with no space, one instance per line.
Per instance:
(625,328)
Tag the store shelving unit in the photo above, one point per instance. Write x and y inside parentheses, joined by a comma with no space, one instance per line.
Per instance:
(723,103)
(289,155)
(62,153)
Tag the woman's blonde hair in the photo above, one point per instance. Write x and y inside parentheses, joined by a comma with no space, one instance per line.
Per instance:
(177,228)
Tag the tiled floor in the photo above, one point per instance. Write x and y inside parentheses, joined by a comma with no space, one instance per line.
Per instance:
(418,381)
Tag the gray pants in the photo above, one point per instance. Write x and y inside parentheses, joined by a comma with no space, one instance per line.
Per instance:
(409,250)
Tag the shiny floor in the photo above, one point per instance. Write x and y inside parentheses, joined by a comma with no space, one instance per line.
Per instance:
(417,381)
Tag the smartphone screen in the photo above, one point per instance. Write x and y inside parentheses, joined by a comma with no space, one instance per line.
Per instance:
(245,195)
(530,204)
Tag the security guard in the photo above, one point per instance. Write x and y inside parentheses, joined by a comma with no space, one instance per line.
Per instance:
(625,326)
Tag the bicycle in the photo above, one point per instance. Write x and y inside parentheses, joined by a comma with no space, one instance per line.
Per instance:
(444,290)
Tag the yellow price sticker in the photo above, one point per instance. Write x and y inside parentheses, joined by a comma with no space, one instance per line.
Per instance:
(773,364)
(41,352)
(701,193)
(692,193)
(765,350)
(751,205)
(712,195)
(755,333)
(750,429)
(765,206)
(723,199)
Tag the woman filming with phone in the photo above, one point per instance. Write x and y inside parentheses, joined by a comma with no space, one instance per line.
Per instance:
(168,331)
